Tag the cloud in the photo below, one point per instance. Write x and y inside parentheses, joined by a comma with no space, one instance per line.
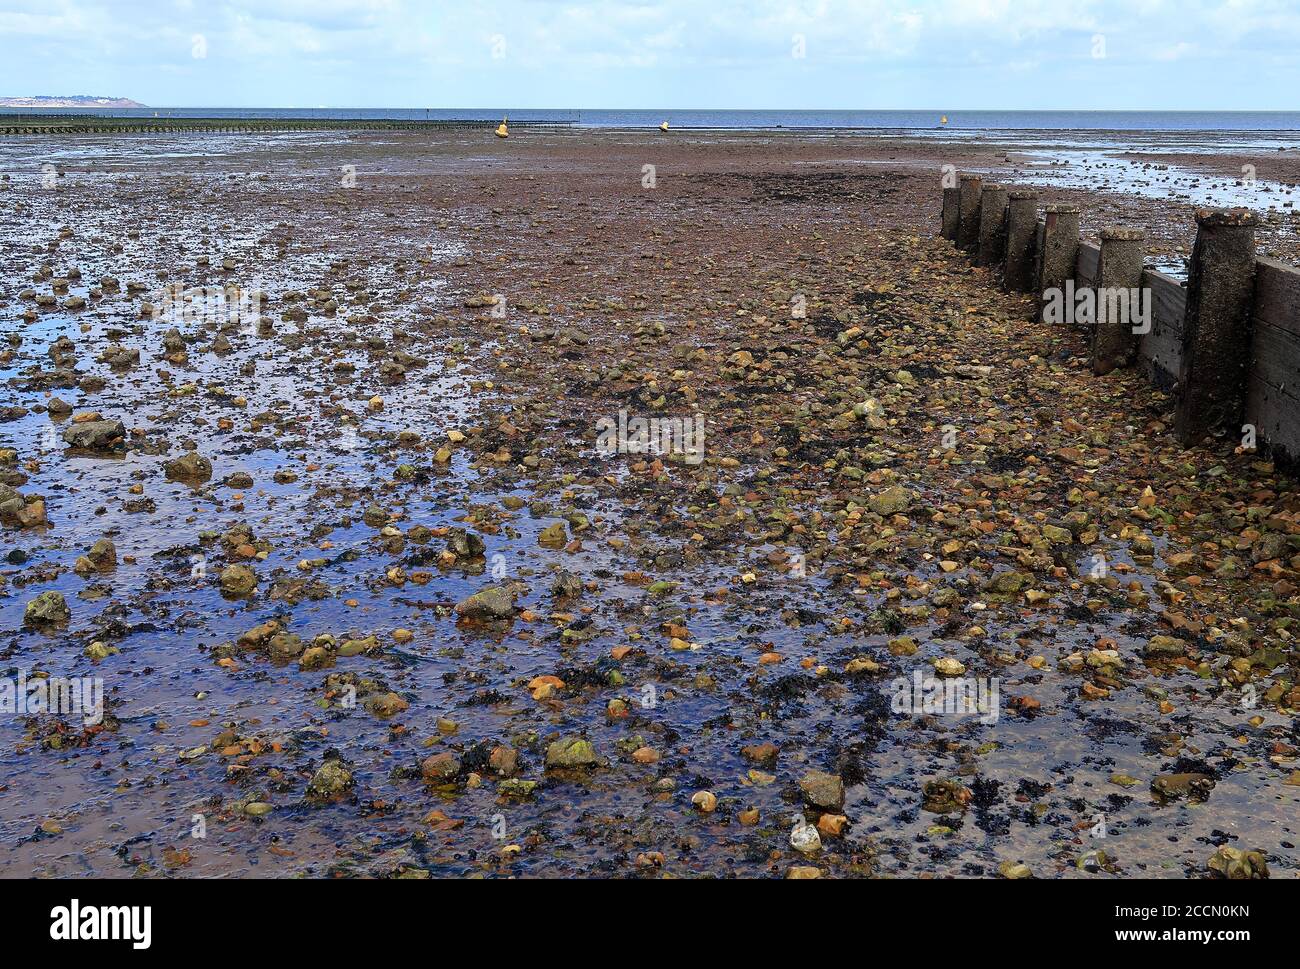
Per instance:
(746,53)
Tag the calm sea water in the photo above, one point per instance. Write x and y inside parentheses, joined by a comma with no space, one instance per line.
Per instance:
(1242,121)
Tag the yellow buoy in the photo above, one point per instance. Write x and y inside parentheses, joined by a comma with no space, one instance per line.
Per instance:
(664,126)
(501,129)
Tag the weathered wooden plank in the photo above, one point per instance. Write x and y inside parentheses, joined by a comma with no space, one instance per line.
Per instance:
(1160,352)
(1277,295)
(1040,237)
(1169,298)
(1275,357)
(1273,400)
(1089,258)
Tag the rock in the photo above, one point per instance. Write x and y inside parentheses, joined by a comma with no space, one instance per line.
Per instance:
(764,755)
(1164,647)
(1170,787)
(571,752)
(514,787)
(891,501)
(832,825)
(803,873)
(1238,865)
(566,585)
(504,760)
(20,511)
(1014,870)
(98,651)
(494,602)
(465,545)
(741,358)
(284,647)
(871,413)
(355,647)
(1007,583)
(805,839)
(385,705)
(705,801)
(947,666)
(823,791)
(47,609)
(1057,535)
(440,768)
(101,436)
(259,635)
(945,797)
(1094,861)
(189,467)
(315,658)
(103,554)
(238,581)
(331,780)
(553,536)
(903,646)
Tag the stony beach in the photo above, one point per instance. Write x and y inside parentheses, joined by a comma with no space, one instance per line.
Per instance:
(301,457)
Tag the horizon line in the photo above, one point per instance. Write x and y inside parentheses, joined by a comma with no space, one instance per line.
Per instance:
(389,107)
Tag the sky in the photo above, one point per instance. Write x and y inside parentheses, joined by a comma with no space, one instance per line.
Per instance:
(827,54)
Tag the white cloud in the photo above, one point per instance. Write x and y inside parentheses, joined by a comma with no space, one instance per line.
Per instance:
(408,51)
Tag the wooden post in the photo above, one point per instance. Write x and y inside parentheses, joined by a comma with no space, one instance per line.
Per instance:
(1119,298)
(1022,227)
(993,225)
(969,235)
(1217,326)
(951,213)
(1060,252)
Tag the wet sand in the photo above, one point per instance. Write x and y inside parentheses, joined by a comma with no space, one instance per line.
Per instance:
(680,662)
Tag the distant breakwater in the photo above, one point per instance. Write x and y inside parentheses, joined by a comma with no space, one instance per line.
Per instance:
(93,124)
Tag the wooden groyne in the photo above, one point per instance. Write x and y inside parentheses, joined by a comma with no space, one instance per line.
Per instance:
(1226,346)
(20,124)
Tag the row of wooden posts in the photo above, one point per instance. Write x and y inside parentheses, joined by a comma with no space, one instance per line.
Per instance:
(21,125)
(1000,228)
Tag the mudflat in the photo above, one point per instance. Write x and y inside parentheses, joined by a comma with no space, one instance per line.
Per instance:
(607,503)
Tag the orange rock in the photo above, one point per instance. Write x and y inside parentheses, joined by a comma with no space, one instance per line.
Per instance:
(831,824)
(544,687)
(438,821)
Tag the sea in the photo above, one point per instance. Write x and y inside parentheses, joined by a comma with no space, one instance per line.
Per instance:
(931,120)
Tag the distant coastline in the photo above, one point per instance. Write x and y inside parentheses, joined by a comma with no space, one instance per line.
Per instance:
(71,101)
